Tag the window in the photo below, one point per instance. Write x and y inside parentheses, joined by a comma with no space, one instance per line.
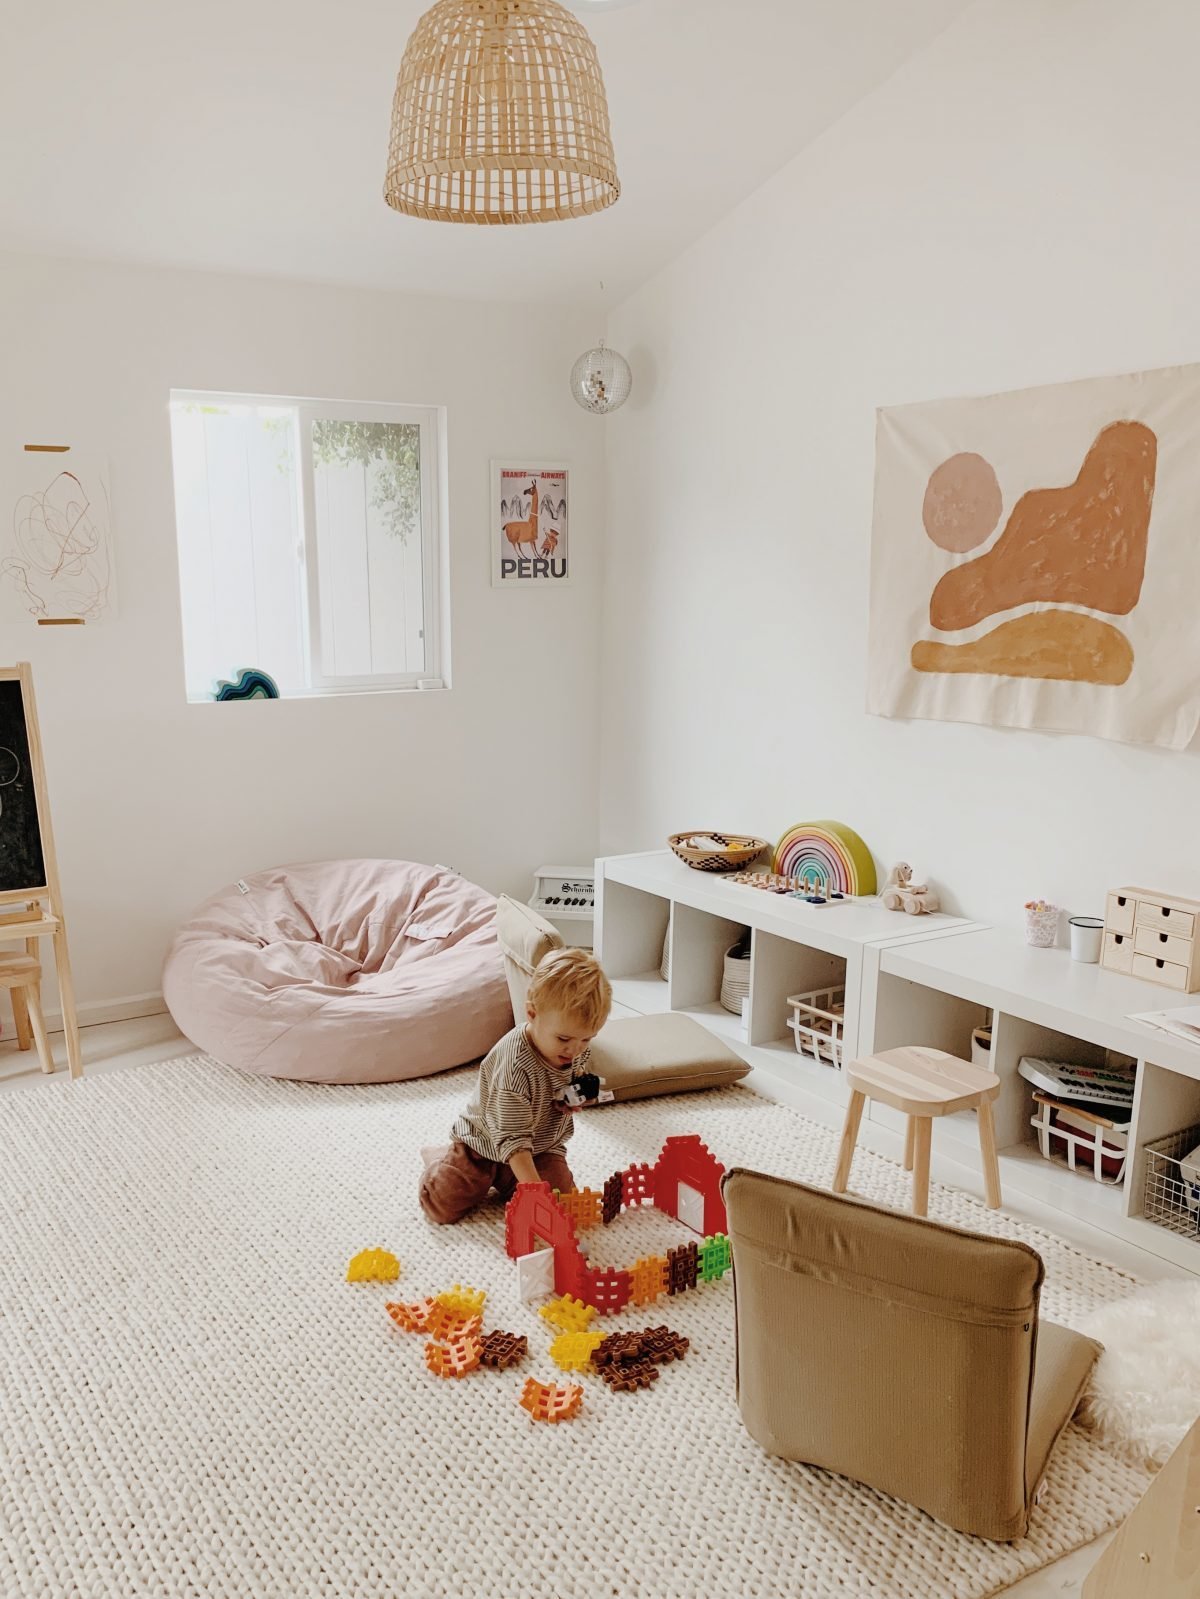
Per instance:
(309,542)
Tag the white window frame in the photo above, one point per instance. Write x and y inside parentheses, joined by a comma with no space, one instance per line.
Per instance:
(430,420)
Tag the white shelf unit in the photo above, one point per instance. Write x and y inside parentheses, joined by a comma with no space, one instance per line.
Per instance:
(794,947)
(909,980)
(1040,1002)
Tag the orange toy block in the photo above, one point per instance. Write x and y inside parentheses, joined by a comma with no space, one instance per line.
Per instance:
(454,1359)
(583,1206)
(373,1266)
(549,1402)
(568,1314)
(463,1301)
(447,1324)
(411,1318)
(648,1278)
(572,1351)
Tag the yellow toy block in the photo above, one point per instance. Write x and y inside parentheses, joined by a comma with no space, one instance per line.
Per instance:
(583,1206)
(571,1315)
(572,1351)
(463,1301)
(648,1278)
(373,1266)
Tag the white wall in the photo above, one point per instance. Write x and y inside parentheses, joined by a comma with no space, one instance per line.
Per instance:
(155,802)
(1016,206)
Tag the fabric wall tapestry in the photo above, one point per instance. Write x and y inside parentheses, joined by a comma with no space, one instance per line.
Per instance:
(1035,559)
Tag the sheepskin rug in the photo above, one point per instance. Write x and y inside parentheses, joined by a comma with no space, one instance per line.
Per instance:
(1145,1390)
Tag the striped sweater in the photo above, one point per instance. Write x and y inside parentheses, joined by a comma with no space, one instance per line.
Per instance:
(513,1105)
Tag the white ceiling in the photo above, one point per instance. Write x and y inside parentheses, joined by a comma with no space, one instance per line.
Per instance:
(251,135)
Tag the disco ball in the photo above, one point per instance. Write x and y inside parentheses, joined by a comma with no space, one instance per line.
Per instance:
(601,380)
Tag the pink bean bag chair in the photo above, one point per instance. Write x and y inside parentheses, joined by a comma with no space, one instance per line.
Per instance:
(342,972)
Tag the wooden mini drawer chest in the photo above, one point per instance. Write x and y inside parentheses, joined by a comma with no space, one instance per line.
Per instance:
(1153,936)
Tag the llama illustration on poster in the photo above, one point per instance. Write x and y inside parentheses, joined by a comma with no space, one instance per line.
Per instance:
(529,516)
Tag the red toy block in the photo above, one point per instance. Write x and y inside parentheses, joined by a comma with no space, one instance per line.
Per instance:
(685,1159)
(637,1185)
(606,1287)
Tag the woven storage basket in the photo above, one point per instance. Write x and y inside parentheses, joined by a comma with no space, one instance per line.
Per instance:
(717,852)
(735,983)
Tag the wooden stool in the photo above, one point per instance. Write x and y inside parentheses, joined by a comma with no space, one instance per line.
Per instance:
(921,1083)
(22,976)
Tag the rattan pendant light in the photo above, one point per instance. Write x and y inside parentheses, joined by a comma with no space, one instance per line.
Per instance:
(500,117)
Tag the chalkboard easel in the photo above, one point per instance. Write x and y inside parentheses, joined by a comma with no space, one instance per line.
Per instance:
(30,898)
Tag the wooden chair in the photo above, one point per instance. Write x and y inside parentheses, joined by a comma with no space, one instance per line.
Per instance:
(921,1083)
(22,976)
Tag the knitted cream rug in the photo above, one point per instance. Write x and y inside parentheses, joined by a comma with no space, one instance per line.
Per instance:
(193,1401)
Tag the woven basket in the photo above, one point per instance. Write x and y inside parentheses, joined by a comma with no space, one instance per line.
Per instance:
(500,117)
(717,852)
(735,983)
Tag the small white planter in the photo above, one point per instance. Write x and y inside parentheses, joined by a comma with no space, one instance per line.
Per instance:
(1041,927)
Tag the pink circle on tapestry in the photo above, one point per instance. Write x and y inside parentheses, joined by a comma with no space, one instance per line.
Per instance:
(962,503)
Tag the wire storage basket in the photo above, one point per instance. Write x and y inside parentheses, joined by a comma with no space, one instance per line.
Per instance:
(1171,1191)
(818,1024)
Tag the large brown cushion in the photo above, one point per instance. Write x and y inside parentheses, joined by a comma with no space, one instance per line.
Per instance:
(897,1351)
(638,1056)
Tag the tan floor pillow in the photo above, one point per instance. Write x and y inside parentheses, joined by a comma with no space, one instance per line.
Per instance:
(638,1056)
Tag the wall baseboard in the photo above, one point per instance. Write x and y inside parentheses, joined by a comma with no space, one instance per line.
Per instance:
(110,1010)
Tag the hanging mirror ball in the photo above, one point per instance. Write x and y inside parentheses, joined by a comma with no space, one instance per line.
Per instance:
(601,380)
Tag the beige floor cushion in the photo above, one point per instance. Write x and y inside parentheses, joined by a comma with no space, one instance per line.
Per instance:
(638,1056)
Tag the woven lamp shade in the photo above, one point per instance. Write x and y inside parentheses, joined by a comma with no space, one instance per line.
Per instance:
(500,116)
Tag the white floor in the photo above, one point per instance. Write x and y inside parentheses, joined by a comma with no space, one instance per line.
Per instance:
(146,1040)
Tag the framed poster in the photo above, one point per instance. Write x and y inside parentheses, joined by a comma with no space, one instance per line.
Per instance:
(529,510)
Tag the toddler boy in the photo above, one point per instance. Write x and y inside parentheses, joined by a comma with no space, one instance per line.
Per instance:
(516,1126)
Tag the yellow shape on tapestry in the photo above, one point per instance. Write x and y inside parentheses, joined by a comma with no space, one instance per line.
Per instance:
(373,1266)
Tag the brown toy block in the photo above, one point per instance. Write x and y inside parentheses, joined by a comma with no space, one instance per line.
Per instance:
(583,1207)
(447,1324)
(619,1349)
(663,1346)
(682,1268)
(549,1402)
(568,1314)
(613,1200)
(501,1349)
(454,1359)
(648,1278)
(631,1376)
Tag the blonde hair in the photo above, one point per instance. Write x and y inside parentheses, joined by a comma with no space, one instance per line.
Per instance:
(572,981)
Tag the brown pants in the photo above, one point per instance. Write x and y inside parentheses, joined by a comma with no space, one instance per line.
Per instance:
(461,1180)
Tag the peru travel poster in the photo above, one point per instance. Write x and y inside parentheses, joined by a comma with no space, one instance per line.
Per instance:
(1035,559)
(529,525)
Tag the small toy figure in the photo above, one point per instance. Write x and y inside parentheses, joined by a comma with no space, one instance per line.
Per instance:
(900,893)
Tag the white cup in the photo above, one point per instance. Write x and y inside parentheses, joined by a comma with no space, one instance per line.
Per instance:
(1087,935)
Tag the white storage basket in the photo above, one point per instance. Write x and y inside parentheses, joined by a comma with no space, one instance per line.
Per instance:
(818,1024)
(1088,1143)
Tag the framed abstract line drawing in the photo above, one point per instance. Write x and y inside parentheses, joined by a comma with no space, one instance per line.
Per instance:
(529,510)
(1034,559)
